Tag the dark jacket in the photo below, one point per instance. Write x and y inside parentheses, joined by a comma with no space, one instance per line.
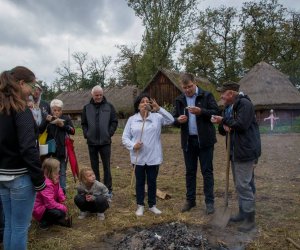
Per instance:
(99,122)
(245,136)
(59,134)
(45,108)
(206,130)
(19,152)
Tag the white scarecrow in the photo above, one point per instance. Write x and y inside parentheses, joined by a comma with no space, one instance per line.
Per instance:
(272,119)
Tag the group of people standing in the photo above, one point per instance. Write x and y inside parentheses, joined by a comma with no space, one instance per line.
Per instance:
(23,118)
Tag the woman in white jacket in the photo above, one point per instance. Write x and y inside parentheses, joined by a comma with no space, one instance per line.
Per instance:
(141,137)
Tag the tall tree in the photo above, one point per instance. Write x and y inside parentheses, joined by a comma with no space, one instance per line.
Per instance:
(85,72)
(166,22)
(215,53)
(128,60)
(289,61)
(261,24)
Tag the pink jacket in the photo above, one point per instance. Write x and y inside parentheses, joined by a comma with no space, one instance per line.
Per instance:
(49,198)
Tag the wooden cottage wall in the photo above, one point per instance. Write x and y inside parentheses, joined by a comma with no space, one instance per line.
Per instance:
(286,116)
(163,90)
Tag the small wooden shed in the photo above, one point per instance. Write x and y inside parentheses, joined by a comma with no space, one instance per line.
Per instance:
(165,86)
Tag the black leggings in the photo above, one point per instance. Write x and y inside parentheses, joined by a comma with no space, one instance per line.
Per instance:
(53,216)
(99,205)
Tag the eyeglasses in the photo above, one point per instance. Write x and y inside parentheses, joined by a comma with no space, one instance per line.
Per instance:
(31,84)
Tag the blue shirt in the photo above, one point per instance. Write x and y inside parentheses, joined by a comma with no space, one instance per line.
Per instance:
(191,100)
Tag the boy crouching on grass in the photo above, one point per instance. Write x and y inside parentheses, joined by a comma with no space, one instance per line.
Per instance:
(92,196)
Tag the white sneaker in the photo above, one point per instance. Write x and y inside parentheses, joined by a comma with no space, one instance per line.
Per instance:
(154,210)
(82,215)
(140,210)
(101,216)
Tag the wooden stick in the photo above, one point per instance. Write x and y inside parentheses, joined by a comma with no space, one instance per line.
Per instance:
(293,242)
(137,153)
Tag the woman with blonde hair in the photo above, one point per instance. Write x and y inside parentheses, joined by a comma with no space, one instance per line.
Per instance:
(49,207)
(20,167)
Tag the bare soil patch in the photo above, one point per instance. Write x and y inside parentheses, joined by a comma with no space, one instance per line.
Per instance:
(278,197)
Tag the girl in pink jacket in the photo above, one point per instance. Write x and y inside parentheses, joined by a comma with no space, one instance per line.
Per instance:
(49,207)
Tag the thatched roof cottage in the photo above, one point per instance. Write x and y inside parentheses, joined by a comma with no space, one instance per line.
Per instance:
(121,97)
(268,89)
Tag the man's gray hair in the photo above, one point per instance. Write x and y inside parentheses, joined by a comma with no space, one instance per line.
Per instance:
(97,87)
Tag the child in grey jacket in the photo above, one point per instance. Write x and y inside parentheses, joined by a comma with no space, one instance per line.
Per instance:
(92,196)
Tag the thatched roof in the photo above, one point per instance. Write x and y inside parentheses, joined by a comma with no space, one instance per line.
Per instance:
(268,88)
(121,97)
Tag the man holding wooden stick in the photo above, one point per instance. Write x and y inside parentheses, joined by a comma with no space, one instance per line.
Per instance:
(240,122)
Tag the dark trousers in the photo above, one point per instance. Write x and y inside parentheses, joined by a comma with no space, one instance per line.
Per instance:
(105,152)
(53,216)
(99,205)
(141,172)
(205,156)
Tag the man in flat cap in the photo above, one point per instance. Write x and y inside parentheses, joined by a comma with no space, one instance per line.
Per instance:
(240,123)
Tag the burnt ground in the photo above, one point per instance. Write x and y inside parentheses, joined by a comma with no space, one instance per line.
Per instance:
(278,198)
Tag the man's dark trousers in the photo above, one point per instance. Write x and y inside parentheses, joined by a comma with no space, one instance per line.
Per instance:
(105,152)
(205,156)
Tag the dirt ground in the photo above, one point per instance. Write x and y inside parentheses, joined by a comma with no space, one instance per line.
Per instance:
(278,198)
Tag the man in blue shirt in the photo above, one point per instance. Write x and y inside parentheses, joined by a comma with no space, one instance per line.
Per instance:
(193,110)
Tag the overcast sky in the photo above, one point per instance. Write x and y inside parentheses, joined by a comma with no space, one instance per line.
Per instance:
(37,33)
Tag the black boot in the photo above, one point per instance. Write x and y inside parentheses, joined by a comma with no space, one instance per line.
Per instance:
(238,217)
(249,222)
(187,206)
(66,222)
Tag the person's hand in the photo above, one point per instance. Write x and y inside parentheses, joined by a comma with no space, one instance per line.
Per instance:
(89,197)
(60,123)
(155,106)
(138,145)
(194,110)
(182,119)
(216,119)
(226,128)
(50,118)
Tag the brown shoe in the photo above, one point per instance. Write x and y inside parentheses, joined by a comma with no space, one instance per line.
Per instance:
(187,206)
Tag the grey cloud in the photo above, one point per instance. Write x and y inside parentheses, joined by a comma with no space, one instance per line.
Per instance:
(78,17)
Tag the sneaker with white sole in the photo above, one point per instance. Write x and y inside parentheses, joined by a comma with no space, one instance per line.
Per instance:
(140,210)
(101,216)
(82,215)
(154,210)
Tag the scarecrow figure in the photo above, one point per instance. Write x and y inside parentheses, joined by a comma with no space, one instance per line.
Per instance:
(272,119)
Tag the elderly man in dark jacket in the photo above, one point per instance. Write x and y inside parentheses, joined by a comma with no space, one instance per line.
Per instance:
(193,110)
(240,122)
(99,123)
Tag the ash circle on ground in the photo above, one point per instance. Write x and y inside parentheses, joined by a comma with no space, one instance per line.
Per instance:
(171,236)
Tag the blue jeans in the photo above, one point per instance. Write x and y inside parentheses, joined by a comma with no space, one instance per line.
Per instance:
(17,198)
(141,173)
(63,173)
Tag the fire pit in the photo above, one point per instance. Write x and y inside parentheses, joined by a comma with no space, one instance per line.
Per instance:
(171,236)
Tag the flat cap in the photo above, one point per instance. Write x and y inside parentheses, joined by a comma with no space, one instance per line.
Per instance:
(229,86)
